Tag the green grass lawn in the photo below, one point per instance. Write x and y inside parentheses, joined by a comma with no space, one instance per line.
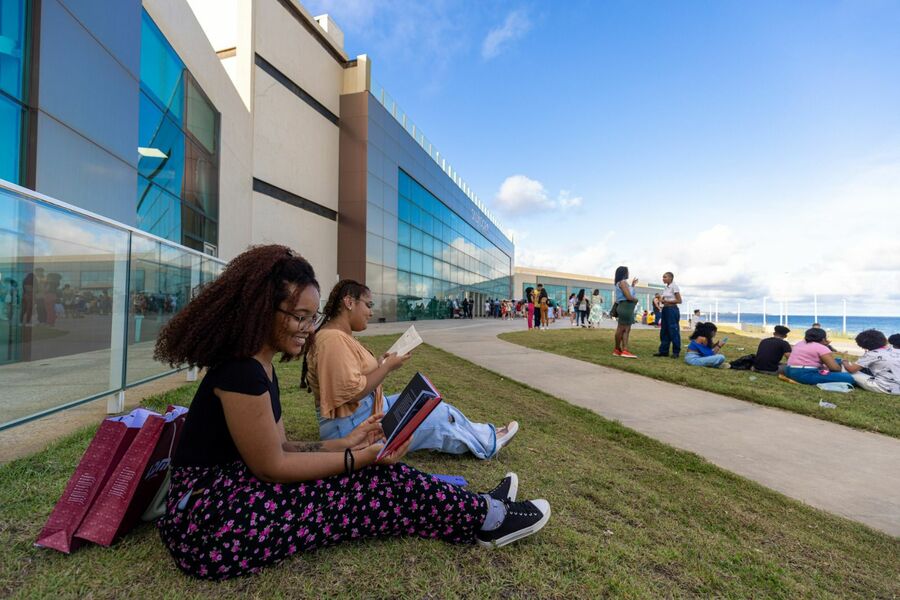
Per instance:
(631,518)
(860,408)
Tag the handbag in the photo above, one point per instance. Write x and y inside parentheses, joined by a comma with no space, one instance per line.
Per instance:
(614,311)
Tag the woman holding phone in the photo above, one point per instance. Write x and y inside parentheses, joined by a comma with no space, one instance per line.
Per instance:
(346,380)
(703,350)
(625,305)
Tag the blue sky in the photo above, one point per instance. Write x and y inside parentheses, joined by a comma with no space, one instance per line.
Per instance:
(753,148)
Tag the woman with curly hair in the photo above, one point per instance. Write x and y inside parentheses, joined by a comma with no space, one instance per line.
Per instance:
(242,495)
(346,381)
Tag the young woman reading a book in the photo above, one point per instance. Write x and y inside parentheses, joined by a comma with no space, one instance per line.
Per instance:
(346,381)
(243,496)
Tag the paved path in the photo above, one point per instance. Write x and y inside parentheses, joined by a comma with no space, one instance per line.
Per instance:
(851,473)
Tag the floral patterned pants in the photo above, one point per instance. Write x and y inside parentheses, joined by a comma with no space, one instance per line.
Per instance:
(223,522)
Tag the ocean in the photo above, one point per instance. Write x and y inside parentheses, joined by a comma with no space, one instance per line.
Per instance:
(855,324)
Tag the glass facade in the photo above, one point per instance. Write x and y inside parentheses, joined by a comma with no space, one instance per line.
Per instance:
(437,256)
(14,24)
(77,319)
(178,168)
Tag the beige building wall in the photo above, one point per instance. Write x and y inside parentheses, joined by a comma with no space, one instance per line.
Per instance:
(295,147)
(276,222)
(289,144)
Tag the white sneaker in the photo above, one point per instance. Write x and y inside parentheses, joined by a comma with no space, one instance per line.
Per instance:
(522,519)
(511,430)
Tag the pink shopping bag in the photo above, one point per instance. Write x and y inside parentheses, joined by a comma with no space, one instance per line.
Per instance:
(135,479)
(110,443)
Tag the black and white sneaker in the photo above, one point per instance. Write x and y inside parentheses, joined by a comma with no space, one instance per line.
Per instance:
(507,489)
(522,519)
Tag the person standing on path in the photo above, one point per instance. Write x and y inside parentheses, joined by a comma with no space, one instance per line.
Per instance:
(625,303)
(596,310)
(582,304)
(529,304)
(544,305)
(571,307)
(670,328)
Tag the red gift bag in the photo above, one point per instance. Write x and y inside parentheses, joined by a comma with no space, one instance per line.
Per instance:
(110,443)
(135,480)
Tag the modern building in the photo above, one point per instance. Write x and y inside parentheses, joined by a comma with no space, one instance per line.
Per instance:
(560,285)
(144,142)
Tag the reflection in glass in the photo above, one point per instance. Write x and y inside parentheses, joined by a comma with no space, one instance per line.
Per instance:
(62,291)
(162,277)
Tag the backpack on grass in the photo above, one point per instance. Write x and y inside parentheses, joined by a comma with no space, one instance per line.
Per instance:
(743,363)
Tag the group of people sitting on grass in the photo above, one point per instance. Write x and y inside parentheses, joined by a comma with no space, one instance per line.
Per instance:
(244,496)
(811,360)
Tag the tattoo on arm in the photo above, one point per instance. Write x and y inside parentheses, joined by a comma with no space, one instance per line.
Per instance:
(303,446)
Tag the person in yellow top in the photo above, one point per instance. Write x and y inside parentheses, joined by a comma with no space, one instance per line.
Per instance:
(346,380)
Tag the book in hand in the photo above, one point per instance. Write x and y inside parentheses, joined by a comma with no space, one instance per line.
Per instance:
(415,402)
(407,342)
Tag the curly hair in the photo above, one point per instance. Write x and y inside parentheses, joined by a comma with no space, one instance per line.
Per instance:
(342,289)
(894,340)
(871,339)
(233,316)
(707,330)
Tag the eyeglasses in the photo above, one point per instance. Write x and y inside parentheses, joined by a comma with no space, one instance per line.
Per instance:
(313,320)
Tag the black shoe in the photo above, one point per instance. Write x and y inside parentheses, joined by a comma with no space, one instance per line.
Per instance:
(675,356)
(522,519)
(659,354)
(507,489)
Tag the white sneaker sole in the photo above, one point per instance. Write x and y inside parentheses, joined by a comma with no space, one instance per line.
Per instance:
(522,533)
(506,439)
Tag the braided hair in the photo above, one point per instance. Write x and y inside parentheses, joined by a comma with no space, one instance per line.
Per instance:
(342,289)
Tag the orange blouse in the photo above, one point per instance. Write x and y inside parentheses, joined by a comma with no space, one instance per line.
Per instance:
(337,367)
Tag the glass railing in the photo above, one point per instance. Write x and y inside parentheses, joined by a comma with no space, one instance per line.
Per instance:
(401,117)
(82,300)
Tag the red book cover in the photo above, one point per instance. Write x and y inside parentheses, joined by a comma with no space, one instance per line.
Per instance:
(415,403)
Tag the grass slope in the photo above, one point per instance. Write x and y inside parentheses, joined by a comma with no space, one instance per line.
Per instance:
(860,409)
(631,518)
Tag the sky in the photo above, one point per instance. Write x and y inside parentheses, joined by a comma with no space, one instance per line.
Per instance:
(752,148)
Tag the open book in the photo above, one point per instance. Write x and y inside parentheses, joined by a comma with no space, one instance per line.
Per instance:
(407,342)
(416,402)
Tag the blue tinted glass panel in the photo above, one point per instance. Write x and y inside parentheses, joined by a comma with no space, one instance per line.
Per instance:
(158,211)
(403,258)
(12,47)
(162,148)
(201,117)
(403,210)
(416,240)
(161,69)
(403,234)
(10,139)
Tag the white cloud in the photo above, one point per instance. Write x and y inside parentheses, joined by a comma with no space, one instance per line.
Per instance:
(519,194)
(514,27)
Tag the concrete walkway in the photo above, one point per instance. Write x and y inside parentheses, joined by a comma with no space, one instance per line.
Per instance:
(844,471)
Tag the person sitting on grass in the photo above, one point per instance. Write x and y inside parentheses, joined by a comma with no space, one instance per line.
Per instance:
(812,361)
(771,350)
(242,495)
(880,360)
(894,341)
(704,351)
(346,380)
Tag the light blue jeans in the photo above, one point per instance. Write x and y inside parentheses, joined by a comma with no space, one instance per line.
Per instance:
(446,429)
(695,360)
